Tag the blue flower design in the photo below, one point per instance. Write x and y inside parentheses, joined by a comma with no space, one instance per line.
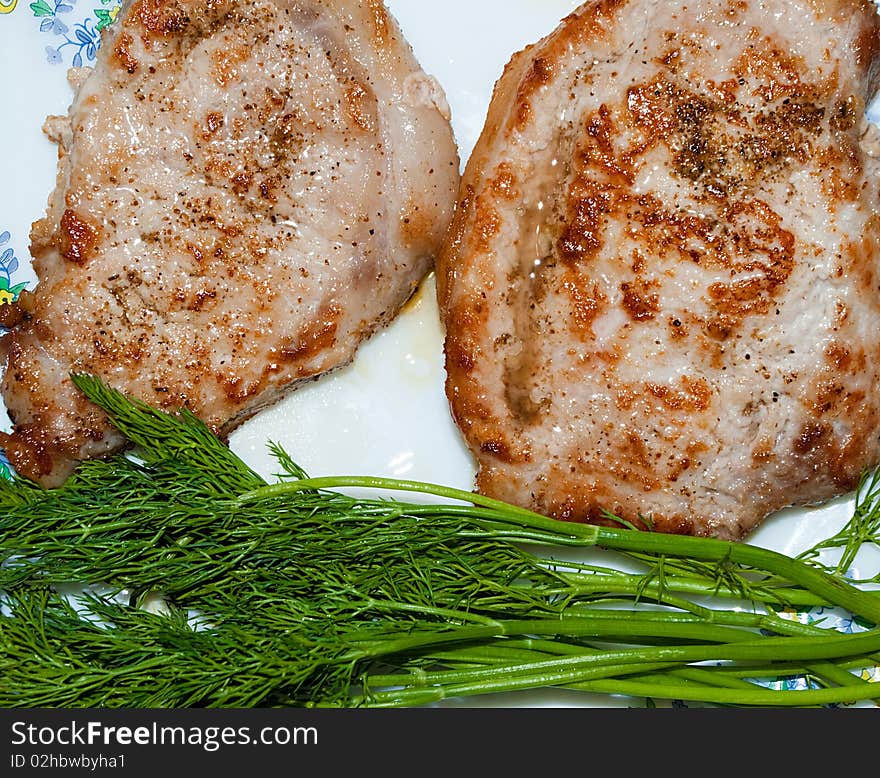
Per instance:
(86,40)
(8,265)
(8,260)
(55,25)
(83,39)
(53,56)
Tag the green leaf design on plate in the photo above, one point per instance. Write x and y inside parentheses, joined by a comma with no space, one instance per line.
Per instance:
(103,18)
(41,8)
(14,291)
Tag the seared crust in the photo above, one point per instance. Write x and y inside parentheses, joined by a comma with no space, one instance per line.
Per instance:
(247,189)
(660,287)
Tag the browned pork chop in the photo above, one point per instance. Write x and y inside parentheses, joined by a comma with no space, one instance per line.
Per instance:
(247,190)
(661,289)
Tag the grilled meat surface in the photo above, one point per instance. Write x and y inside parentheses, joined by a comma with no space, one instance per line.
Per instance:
(661,290)
(247,190)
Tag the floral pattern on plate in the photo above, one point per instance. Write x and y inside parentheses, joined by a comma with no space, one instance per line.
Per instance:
(9,266)
(75,32)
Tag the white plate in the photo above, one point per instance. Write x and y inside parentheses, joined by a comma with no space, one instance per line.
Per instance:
(386,414)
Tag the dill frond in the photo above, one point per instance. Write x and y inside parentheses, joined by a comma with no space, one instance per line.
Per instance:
(294,593)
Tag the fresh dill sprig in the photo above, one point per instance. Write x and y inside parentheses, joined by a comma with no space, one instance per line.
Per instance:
(179,443)
(294,593)
(862,530)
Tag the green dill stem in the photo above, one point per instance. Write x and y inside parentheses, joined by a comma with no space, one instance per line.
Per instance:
(573,668)
(582,672)
(750,621)
(754,696)
(834,674)
(595,625)
(743,648)
(530,650)
(835,591)
(419,689)
(627,583)
(759,698)
(788,669)
(766,621)
(527,518)
(501,655)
